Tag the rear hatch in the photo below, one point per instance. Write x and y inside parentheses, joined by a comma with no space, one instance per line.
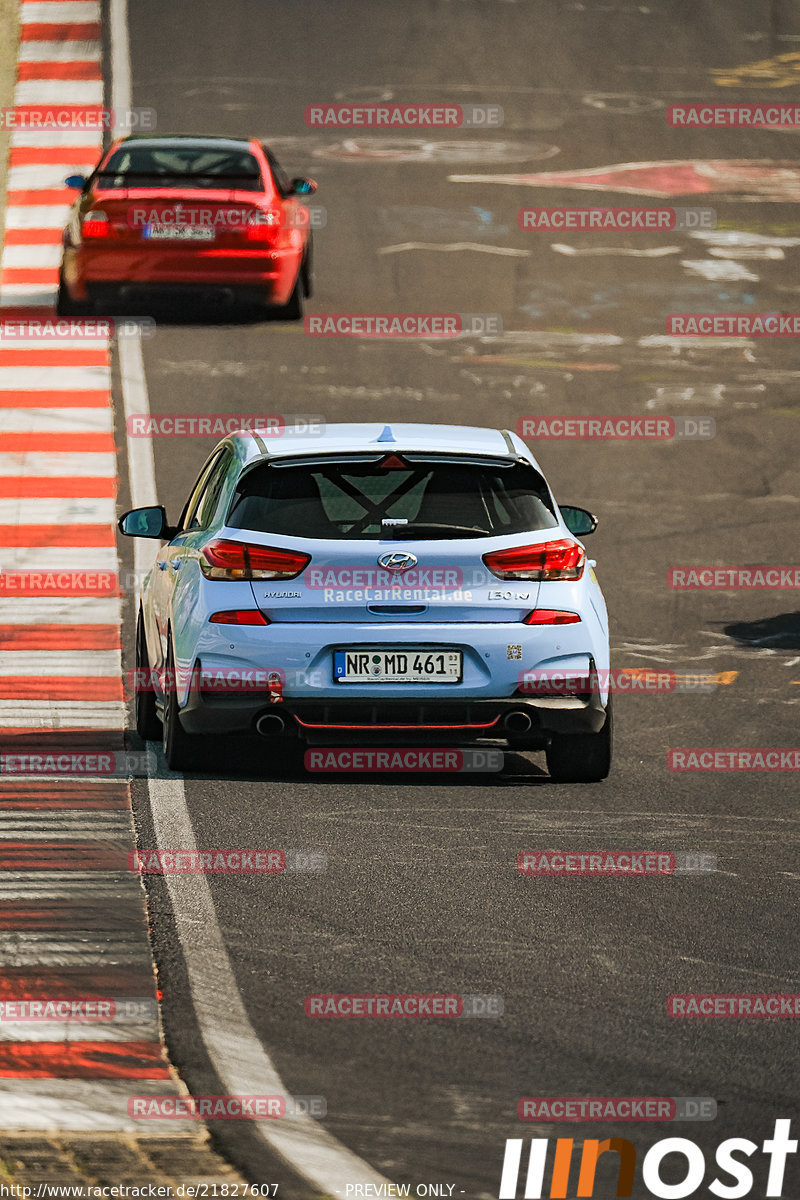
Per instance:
(392,537)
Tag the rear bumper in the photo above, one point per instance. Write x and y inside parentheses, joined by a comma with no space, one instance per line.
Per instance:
(410,722)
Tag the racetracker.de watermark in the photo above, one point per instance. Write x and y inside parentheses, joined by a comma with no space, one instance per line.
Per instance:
(402,1005)
(744,1004)
(220,425)
(403,116)
(733,579)
(403,325)
(723,760)
(751,325)
(763,115)
(119,764)
(225,1108)
(77,116)
(253,861)
(168,220)
(74,329)
(630,681)
(616,862)
(616,1108)
(619,429)
(403,759)
(622,219)
(86,1009)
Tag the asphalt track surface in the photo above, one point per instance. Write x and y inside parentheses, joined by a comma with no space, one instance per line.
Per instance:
(421,894)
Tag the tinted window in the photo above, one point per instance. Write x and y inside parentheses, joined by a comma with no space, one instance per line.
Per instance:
(187,520)
(150,164)
(350,500)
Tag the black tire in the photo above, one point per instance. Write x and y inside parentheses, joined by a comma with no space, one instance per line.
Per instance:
(180,747)
(582,757)
(66,306)
(307,269)
(293,309)
(148,723)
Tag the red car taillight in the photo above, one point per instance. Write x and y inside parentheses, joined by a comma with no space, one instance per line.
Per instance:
(239,616)
(223,559)
(547,561)
(551,616)
(95,225)
(265,228)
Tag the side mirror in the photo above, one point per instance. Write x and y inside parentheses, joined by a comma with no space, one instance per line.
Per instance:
(76,181)
(578,520)
(148,522)
(303,187)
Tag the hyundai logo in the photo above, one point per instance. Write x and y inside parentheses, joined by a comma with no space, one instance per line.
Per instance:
(397,560)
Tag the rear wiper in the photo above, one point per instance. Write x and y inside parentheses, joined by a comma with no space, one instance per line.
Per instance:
(429,528)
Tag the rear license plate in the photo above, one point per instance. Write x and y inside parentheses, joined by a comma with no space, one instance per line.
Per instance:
(397,666)
(178,233)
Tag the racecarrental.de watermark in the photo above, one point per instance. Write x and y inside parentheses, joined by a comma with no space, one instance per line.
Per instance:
(237,861)
(74,329)
(77,116)
(692,1167)
(403,325)
(402,1005)
(621,429)
(751,325)
(117,764)
(764,115)
(745,1004)
(733,579)
(403,116)
(401,759)
(616,1108)
(224,219)
(724,759)
(624,219)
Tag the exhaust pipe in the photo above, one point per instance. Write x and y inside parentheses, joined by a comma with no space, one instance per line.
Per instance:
(270,725)
(517,722)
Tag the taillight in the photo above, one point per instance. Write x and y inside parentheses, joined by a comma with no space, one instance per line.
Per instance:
(95,224)
(547,561)
(239,616)
(551,616)
(265,226)
(223,559)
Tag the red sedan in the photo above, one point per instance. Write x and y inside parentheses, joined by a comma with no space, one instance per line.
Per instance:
(212,216)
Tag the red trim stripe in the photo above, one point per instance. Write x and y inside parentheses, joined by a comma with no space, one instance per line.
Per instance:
(22,398)
(73,156)
(103,795)
(58,70)
(62,856)
(24,196)
(33,237)
(60,687)
(46,356)
(72,31)
(56,535)
(59,637)
(49,443)
(56,487)
(82,1060)
(29,274)
(37,983)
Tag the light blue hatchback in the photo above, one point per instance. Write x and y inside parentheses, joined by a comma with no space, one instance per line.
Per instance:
(375,585)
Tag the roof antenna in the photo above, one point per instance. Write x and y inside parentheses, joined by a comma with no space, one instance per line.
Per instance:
(386,435)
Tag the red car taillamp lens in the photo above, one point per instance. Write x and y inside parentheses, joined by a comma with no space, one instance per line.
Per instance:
(95,224)
(264,227)
(225,559)
(563,559)
(551,616)
(239,616)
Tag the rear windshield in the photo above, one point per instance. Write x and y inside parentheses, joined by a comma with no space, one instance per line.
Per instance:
(427,500)
(149,165)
